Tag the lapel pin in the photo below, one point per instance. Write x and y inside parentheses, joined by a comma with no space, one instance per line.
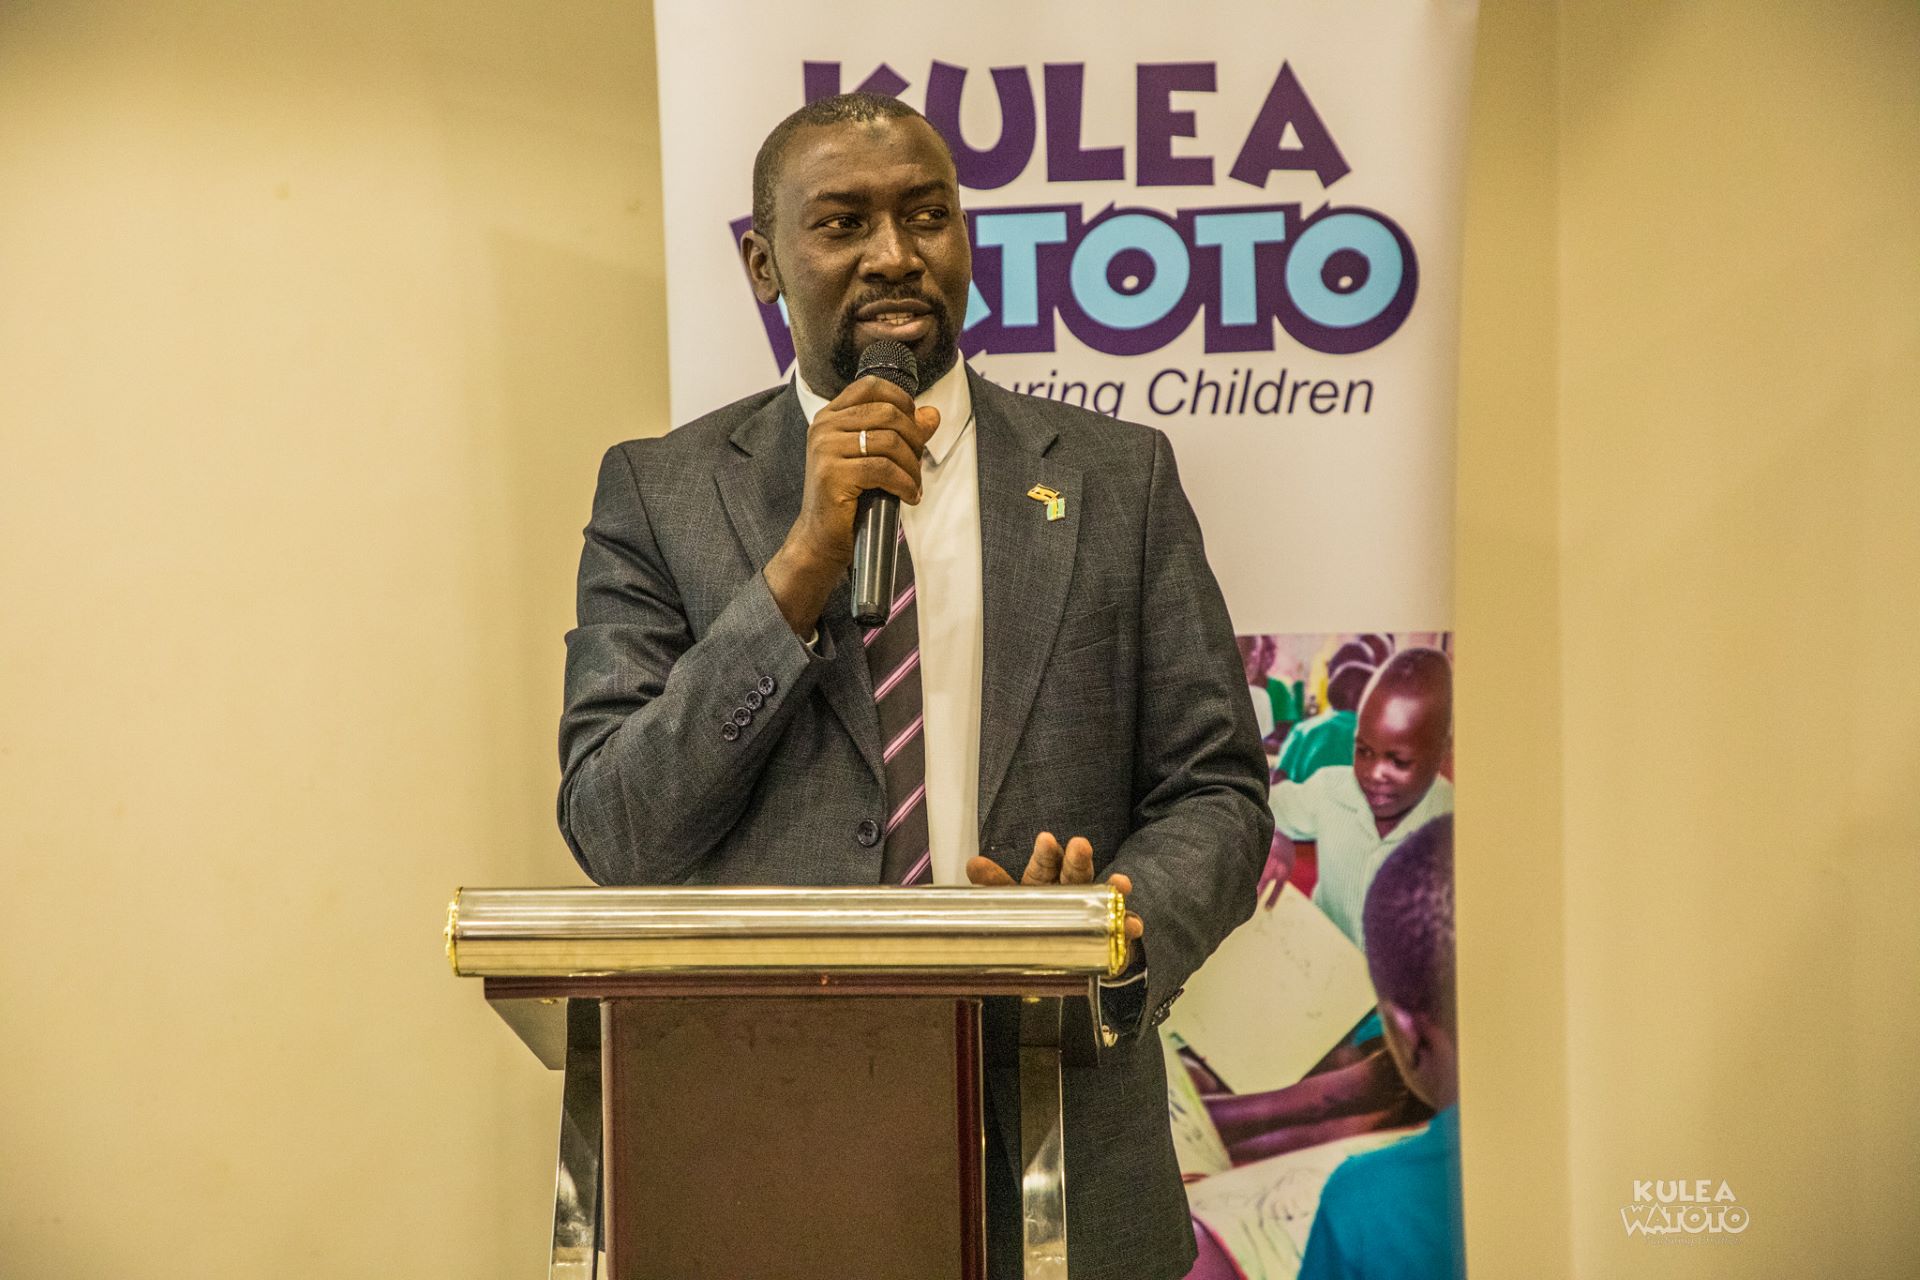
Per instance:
(1055,504)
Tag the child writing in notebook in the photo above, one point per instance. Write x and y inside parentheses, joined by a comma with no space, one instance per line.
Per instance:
(1394,1214)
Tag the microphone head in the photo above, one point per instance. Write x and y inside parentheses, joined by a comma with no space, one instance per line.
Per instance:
(894,362)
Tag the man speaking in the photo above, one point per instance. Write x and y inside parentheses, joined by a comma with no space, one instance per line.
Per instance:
(1055,695)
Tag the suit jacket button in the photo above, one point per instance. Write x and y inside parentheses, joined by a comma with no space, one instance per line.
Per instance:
(867,833)
(753,700)
(767,686)
(742,717)
(729,730)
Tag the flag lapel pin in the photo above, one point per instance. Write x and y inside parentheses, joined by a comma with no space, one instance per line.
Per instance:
(1055,504)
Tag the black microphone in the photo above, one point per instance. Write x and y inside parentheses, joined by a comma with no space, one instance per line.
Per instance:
(876,524)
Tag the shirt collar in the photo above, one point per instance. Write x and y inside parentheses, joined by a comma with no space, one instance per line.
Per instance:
(951,395)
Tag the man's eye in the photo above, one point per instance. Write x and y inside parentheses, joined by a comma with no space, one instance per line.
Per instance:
(841,222)
(930,215)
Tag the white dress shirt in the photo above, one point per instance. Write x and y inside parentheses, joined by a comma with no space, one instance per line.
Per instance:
(943,537)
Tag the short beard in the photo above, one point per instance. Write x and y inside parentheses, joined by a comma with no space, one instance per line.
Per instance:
(943,355)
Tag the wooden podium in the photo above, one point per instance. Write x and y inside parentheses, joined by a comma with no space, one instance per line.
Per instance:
(786,1084)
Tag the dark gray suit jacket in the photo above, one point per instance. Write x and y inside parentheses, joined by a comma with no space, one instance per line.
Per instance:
(1114,707)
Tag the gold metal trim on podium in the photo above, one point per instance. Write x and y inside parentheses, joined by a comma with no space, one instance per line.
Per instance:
(453,913)
(591,932)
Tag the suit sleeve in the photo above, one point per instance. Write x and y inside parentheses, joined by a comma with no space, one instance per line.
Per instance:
(1201,824)
(655,768)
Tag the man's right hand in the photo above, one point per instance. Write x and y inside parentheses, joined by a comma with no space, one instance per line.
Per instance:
(819,546)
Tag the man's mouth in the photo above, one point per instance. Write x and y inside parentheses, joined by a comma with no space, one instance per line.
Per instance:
(903,320)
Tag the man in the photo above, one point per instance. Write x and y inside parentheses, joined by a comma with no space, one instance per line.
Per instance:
(1067,670)
(1395,1214)
(1357,815)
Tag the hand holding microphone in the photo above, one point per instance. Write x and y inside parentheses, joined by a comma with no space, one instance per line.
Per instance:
(875,411)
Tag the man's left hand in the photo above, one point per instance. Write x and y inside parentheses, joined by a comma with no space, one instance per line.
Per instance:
(1050,864)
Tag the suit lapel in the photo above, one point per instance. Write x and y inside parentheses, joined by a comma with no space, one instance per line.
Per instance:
(760,487)
(1026,562)
(761,483)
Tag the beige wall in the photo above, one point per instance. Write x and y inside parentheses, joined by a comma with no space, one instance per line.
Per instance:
(1690,579)
(1740,589)
(314,319)
(1510,878)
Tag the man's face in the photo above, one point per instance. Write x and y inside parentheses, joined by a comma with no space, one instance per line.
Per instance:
(868,243)
(1399,743)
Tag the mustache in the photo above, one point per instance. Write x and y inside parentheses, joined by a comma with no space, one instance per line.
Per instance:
(850,313)
(940,358)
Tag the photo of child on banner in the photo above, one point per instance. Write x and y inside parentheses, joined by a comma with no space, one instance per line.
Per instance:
(1315,1048)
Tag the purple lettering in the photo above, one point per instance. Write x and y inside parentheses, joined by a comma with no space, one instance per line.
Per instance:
(1262,153)
(1003,162)
(1067,161)
(1158,124)
(822,80)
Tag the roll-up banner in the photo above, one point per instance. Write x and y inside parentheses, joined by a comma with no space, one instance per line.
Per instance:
(1240,223)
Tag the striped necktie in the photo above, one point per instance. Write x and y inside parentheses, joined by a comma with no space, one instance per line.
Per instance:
(893,659)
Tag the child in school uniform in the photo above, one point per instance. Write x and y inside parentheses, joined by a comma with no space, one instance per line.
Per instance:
(1395,1213)
(1358,814)
(1327,738)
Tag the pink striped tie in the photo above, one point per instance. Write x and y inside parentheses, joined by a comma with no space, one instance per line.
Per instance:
(893,659)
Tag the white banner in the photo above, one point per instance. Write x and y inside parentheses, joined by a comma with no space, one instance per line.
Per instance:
(1238,222)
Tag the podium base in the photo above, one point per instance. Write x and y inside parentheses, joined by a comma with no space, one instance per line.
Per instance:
(787,1139)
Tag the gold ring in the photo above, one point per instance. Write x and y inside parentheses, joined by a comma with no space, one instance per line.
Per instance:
(863,444)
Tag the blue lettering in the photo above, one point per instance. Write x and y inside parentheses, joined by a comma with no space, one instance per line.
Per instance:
(1155,298)
(1019,236)
(1235,235)
(1319,299)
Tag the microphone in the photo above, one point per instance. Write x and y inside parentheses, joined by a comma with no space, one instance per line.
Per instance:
(876,523)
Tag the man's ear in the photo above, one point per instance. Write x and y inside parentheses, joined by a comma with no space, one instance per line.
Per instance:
(757,252)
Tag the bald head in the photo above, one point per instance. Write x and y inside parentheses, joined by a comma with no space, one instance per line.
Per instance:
(1404,730)
(1417,684)
(845,108)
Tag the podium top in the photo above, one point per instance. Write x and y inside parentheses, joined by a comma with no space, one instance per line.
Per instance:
(1077,931)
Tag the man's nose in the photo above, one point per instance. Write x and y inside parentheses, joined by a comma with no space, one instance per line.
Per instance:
(891,253)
